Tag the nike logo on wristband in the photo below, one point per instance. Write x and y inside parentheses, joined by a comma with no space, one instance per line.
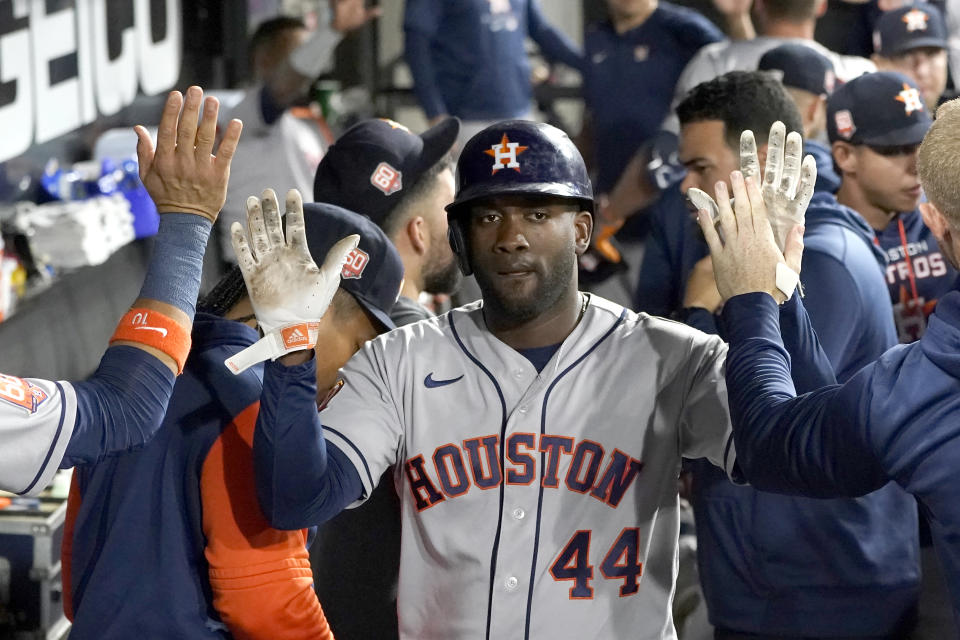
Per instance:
(430,383)
(159,330)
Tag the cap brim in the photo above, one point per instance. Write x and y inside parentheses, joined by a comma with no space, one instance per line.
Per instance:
(438,141)
(917,43)
(382,316)
(900,137)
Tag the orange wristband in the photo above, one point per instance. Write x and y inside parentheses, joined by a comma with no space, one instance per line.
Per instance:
(153,329)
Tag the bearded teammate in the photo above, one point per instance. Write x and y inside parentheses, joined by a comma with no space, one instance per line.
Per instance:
(45,424)
(537,434)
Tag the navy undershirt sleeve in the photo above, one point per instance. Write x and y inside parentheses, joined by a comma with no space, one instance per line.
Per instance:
(120,406)
(815,445)
(301,482)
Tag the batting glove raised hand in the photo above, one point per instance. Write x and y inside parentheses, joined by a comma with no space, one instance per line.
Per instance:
(788,182)
(287,290)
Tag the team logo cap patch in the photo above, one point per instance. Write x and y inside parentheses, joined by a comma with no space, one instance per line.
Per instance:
(845,126)
(387,179)
(356,262)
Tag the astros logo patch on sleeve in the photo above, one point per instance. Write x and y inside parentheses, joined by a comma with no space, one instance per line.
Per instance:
(21,393)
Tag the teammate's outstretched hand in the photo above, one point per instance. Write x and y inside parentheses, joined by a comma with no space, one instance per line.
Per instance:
(349,15)
(788,182)
(747,259)
(182,174)
(289,293)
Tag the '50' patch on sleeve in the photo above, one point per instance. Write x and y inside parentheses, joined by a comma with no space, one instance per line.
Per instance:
(21,393)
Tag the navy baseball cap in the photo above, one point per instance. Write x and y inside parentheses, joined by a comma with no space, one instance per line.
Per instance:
(800,67)
(909,27)
(373,273)
(370,166)
(882,109)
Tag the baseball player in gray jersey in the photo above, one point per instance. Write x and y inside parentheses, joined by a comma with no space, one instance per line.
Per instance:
(536,434)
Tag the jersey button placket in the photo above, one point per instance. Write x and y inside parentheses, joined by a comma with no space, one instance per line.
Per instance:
(511,583)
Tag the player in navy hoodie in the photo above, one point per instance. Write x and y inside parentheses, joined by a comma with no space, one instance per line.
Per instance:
(783,566)
(675,244)
(896,419)
(880,181)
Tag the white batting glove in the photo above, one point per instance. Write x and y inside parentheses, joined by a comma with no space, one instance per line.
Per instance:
(787,182)
(288,292)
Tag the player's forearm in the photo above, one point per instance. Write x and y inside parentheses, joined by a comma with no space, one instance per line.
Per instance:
(554,44)
(740,26)
(288,82)
(420,61)
(170,287)
(120,407)
(810,369)
(300,481)
(814,445)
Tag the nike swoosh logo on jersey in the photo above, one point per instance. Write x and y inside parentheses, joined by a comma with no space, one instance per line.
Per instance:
(430,383)
(159,330)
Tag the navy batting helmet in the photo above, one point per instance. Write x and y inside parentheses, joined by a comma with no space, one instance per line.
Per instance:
(515,157)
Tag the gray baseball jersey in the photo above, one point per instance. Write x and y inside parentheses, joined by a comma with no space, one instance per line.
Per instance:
(718,58)
(36,422)
(535,505)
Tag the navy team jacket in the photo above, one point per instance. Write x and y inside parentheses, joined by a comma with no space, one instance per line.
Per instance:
(629,79)
(169,541)
(898,419)
(676,243)
(468,57)
(801,567)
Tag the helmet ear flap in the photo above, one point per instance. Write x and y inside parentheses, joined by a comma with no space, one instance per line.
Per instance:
(458,242)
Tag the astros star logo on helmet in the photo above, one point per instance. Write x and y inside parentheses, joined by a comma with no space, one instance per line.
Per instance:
(910,98)
(916,20)
(505,155)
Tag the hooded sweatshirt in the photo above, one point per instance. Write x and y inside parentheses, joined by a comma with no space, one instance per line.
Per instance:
(170,541)
(827,178)
(917,273)
(774,564)
(894,420)
(675,242)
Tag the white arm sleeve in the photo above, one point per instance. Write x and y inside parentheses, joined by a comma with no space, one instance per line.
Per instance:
(36,421)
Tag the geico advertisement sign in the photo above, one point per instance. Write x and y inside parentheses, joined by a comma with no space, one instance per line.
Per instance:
(56,72)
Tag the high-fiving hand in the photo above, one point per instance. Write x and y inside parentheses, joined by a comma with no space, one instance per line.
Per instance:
(289,293)
(182,174)
(748,260)
(349,15)
(788,182)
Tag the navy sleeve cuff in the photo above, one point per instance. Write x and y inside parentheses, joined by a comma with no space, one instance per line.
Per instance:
(752,315)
